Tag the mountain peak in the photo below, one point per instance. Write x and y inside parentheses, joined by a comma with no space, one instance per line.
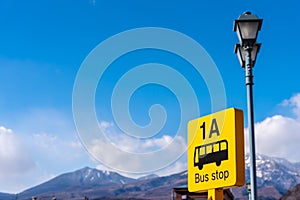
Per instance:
(89,170)
(147,177)
(83,178)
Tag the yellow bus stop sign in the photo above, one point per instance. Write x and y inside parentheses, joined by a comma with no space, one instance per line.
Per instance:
(216,151)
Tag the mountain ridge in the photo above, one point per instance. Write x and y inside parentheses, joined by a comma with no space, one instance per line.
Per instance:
(85,178)
(275,176)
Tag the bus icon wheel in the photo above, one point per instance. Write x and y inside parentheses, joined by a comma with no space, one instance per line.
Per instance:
(218,163)
(200,167)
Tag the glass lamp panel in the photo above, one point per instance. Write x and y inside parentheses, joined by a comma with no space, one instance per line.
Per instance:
(240,52)
(239,34)
(248,29)
(254,52)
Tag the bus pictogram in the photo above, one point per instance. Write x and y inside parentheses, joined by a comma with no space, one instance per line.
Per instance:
(214,152)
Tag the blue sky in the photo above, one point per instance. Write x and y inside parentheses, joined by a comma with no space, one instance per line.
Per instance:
(44,43)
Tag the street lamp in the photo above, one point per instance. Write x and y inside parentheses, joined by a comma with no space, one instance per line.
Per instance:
(247,27)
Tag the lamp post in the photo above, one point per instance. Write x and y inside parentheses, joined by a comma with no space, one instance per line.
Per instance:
(247,27)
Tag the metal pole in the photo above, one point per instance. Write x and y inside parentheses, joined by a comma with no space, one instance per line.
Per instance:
(249,84)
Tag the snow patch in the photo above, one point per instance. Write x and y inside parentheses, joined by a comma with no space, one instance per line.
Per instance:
(88,173)
(259,173)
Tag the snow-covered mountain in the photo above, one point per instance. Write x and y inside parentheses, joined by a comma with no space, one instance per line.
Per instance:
(276,172)
(274,177)
(103,184)
(85,178)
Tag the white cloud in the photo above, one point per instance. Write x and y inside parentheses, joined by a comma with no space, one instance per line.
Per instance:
(57,148)
(294,102)
(14,157)
(131,155)
(50,139)
(130,144)
(104,125)
(279,135)
(178,166)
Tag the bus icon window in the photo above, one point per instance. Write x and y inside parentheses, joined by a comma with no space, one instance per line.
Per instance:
(214,152)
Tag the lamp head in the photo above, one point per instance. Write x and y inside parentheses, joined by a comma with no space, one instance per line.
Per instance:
(247,27)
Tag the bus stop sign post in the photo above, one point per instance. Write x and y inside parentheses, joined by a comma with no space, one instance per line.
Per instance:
(215,194)
(216,152)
